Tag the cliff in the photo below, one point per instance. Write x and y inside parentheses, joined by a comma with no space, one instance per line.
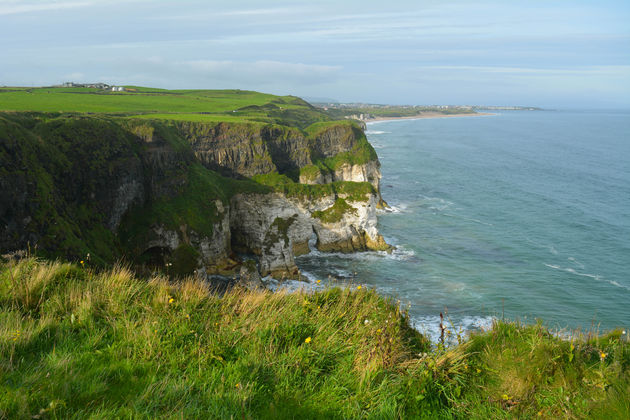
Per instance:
(185,196)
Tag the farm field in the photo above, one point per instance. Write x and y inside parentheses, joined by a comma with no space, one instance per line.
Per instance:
(184,105)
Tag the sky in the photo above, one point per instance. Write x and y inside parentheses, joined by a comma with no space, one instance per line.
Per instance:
(552,53)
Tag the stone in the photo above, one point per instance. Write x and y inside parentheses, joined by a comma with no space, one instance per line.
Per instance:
(249,277)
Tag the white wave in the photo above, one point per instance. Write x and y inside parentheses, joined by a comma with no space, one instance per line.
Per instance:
(376,132)
(614,283)
(470,219)
(572,271)
(576,262)
(312,278)
(430,326)
(290,286)
(395,208)
(592,276)
(343,274)
(435,203)
(400,253)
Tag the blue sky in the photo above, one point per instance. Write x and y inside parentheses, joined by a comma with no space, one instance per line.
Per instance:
(546,53)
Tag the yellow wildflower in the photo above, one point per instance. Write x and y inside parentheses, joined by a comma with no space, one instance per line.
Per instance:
(359,287)
(81,262)
(318,281)
(378,331)
(171,300)
(238,386)
(478,370)
(505,397)
(602,355)
(308,340)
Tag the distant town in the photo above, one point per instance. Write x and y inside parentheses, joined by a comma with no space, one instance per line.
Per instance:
(103,86)
(367,112)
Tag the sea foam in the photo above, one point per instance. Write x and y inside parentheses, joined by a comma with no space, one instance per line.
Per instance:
(430,326)
(592,276)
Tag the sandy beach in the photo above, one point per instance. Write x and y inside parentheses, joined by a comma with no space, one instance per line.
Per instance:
(428,115)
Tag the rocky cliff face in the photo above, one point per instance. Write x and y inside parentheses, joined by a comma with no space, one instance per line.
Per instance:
(361,172)
(178,196)
(277,227)
(246,150)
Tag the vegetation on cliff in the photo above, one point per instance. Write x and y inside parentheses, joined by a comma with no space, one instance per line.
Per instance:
(335,213)
(53,174)
(354,191)
(77,342)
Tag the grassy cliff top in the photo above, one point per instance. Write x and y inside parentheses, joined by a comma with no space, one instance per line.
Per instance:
(184,105)
(79,343)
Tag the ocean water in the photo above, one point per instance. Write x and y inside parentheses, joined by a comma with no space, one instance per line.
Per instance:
(523,214)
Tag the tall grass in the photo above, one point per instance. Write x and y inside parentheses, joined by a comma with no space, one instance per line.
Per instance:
(76,343)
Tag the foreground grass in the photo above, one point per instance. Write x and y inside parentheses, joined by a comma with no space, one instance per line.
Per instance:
(75,343)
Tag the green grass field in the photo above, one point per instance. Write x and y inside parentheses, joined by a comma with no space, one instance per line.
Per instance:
(185,105)
(80,343)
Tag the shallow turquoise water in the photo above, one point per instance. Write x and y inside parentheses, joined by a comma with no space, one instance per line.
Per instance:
(521,213)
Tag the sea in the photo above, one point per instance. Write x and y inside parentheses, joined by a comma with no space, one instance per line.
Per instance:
(521,215)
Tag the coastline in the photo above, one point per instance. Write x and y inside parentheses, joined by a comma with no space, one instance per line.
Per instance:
(427,115)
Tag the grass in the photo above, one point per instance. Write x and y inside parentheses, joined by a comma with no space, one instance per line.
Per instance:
(162,104)
(94,100)
(336,212)
(360,153)
(79,343)
(352,191)
(197,117)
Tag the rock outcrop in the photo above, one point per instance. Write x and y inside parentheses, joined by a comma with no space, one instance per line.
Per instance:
(277,227)
(179,196)
(249,277)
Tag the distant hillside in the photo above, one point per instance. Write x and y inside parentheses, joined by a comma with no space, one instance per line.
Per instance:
(367,112)
(182,105)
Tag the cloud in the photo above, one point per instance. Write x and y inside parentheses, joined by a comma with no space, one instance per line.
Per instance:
(580,70)
(263,75)
(263,71)
(204,15)
(11,6)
